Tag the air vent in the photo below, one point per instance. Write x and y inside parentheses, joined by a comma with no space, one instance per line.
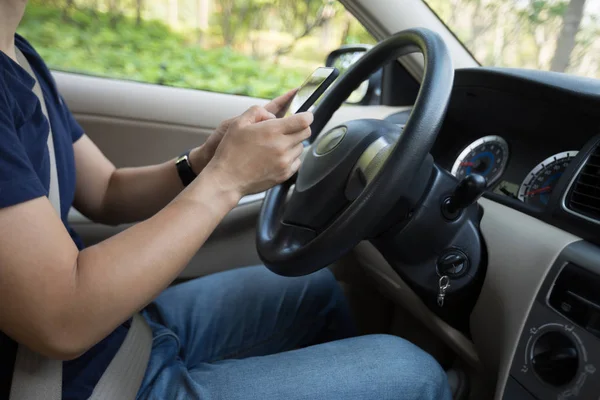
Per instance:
(584,196)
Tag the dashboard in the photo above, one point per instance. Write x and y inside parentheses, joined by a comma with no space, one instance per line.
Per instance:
(535,136)
(528,133)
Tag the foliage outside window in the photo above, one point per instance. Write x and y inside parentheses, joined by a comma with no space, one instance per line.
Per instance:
(258,48)
(557,35)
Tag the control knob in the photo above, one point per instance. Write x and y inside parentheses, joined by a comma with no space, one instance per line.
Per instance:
(555,359)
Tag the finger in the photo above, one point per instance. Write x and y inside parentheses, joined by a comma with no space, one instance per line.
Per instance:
(256,114)
(296,151)
(298,137)
(295,166)
(292,124)
(224,126)
(228,122)
(279,105)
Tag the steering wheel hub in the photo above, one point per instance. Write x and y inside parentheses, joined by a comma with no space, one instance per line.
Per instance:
(330,140)
(320,191)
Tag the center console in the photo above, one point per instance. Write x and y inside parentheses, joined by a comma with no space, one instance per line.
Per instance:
(558,353)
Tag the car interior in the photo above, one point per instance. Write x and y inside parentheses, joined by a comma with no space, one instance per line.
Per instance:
(459,207)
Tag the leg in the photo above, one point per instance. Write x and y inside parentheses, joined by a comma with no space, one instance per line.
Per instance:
(378,367)
(250,312)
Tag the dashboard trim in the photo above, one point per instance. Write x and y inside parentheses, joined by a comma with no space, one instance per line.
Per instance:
(521,251)
(545,318)
(563,201)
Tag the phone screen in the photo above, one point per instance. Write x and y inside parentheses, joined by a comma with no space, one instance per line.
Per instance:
(312,88)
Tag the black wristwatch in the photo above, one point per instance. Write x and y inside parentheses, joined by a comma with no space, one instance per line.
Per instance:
(184,169)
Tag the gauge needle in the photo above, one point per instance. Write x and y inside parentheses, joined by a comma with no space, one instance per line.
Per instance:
(540,190)
(467,164)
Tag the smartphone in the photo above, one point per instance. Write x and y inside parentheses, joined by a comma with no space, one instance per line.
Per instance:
(312,88)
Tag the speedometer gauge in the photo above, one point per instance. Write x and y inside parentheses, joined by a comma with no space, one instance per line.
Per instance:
(538,185)
(486,156)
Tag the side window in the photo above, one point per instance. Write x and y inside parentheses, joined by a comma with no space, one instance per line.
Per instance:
(257,48)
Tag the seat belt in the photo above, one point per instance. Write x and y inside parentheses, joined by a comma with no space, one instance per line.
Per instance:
(39,377)
(35,376)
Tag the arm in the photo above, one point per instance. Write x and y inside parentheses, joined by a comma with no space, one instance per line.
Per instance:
(60,302)
(112,196)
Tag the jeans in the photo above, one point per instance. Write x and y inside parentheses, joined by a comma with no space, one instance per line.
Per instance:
(250,334)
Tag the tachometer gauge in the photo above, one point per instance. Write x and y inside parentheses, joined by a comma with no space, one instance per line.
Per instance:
(538,185)
(486,156)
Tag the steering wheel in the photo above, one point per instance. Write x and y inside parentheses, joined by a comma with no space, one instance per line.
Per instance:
(353,175)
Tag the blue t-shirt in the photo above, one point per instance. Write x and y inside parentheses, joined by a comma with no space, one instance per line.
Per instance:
(25,175)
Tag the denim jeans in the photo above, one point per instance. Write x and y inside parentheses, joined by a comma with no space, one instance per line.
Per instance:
(250,334)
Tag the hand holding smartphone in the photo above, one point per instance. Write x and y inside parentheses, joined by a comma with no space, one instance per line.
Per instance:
(312,89)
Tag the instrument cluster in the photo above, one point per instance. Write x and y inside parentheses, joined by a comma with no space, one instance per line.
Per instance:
(488,156)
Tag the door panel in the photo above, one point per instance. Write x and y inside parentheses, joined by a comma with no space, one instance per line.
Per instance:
(131,143)
(138,124)
(231,245)
(146,102)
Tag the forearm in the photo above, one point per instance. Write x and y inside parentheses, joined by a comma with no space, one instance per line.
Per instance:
(135,194)
(121,275)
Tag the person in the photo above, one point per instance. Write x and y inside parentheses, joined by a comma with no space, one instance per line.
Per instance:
(241,334)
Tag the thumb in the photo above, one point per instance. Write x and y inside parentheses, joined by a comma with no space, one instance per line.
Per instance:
(280,105)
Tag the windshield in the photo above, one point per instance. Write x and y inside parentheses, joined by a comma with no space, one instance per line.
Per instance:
(556,35)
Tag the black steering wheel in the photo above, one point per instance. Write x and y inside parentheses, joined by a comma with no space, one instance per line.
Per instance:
(354,174)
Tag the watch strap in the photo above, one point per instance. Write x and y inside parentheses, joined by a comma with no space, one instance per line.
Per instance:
(184,169)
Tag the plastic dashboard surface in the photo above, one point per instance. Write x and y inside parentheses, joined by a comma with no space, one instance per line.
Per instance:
(539,114)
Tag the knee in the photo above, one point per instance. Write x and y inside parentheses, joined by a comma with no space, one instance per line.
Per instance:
(324,297)
(322,281)
(408,369)
(323,285)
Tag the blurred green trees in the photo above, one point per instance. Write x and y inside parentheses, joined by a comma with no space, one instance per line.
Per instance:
(258,48)
(264,47)
(558,35)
